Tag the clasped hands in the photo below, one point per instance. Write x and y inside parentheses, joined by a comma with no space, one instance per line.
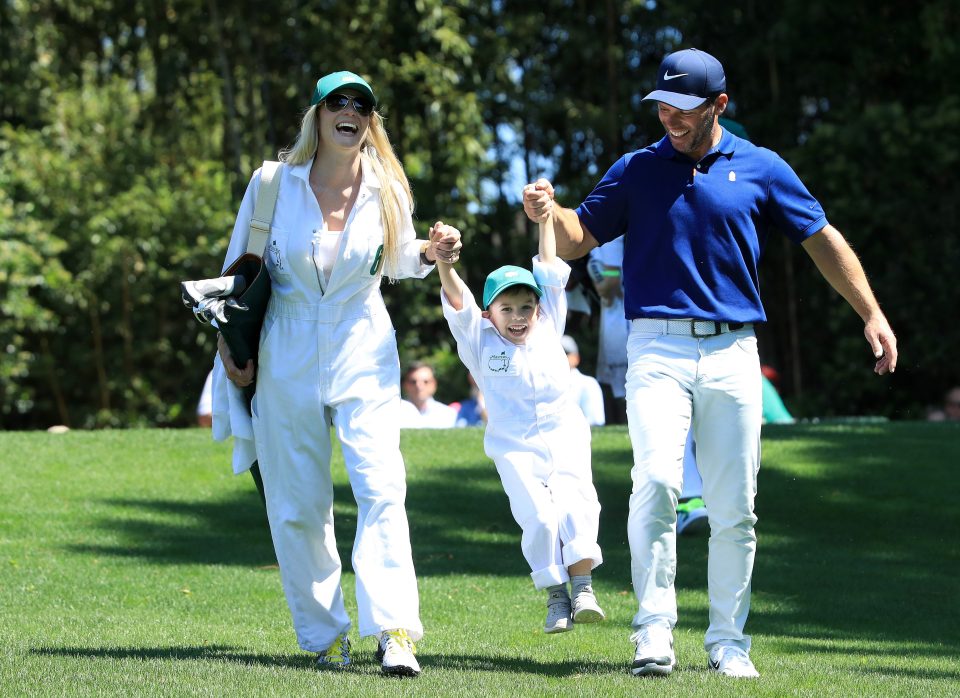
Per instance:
(445,244)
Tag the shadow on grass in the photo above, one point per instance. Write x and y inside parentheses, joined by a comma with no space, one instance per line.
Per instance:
(227,653)
(853,541)
(226,532)
(520,665)
(223,653)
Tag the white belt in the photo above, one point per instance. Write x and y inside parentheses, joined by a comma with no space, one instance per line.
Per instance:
(353,309)
(688,326)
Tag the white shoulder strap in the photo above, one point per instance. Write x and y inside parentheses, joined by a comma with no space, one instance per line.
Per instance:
(263,210)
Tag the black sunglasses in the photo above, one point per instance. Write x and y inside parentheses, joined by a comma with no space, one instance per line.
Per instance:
(339,102)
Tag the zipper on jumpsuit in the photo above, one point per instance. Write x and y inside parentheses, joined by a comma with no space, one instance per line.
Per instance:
(323,338)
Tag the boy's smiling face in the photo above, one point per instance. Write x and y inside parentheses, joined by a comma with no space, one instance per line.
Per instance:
(514,313)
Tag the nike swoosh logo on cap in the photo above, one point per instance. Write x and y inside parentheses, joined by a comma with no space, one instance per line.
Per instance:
(668,76)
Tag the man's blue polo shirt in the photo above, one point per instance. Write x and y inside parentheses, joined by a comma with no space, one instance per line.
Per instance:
(695,230)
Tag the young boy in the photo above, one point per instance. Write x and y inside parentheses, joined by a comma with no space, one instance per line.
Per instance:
(536,435)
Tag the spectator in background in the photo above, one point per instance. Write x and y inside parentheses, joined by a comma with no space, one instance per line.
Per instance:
(584,390)
(950,412)
(205,405)
(418,409)
(581,296)
(774,411)
(473,410)
(604,266)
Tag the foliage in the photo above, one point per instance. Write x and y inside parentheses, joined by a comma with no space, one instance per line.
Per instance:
(128,131)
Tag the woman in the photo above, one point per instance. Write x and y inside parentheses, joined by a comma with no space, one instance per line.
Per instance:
(328,357)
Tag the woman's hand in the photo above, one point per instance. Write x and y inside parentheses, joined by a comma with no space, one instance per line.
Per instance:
(240,377)
(444,245)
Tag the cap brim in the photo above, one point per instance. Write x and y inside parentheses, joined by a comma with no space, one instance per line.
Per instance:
(359,87)
(510,284)
(675,99)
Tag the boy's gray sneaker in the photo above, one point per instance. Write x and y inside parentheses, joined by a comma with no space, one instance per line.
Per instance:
(654,655)
(559,613)
(585,606)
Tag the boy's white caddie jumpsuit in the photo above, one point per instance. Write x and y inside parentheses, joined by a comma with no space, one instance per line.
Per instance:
(328,355)
(536,435)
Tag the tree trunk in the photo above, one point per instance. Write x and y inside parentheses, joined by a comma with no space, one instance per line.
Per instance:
(99,360)
(613,85)
(231,137)
(55,389)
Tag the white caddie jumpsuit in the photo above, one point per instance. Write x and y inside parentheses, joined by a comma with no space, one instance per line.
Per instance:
(328,355)
(536,435)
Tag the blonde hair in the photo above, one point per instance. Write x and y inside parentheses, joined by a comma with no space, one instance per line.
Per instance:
(378,154)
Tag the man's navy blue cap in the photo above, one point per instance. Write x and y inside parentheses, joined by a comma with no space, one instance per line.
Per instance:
(687,79)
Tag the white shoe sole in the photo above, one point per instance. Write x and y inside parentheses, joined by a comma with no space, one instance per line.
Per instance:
(563,627)
(588,615)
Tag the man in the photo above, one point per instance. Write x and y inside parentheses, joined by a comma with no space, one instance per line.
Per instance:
(419,410)
(697,208)
(604,267)
(950,411)
(205,403)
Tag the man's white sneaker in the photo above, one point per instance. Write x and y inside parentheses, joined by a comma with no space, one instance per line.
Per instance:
(654,655)
(559,613)
(730,660)
(585,606)
(395,653)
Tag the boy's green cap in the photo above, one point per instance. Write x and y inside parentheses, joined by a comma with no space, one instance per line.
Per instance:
(341,80)
(503,278)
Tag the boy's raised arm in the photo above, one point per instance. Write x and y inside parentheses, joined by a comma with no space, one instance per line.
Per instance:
(548,239)
(451,282)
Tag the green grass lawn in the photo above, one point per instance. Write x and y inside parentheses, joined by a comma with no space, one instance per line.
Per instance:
(134,563)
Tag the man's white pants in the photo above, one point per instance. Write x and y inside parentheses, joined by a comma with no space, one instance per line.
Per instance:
(712,385)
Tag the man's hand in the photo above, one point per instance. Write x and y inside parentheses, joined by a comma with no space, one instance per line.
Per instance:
(883,342)
(538,200)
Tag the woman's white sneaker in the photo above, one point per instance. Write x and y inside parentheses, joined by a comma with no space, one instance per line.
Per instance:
(730,660)
(395,653)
